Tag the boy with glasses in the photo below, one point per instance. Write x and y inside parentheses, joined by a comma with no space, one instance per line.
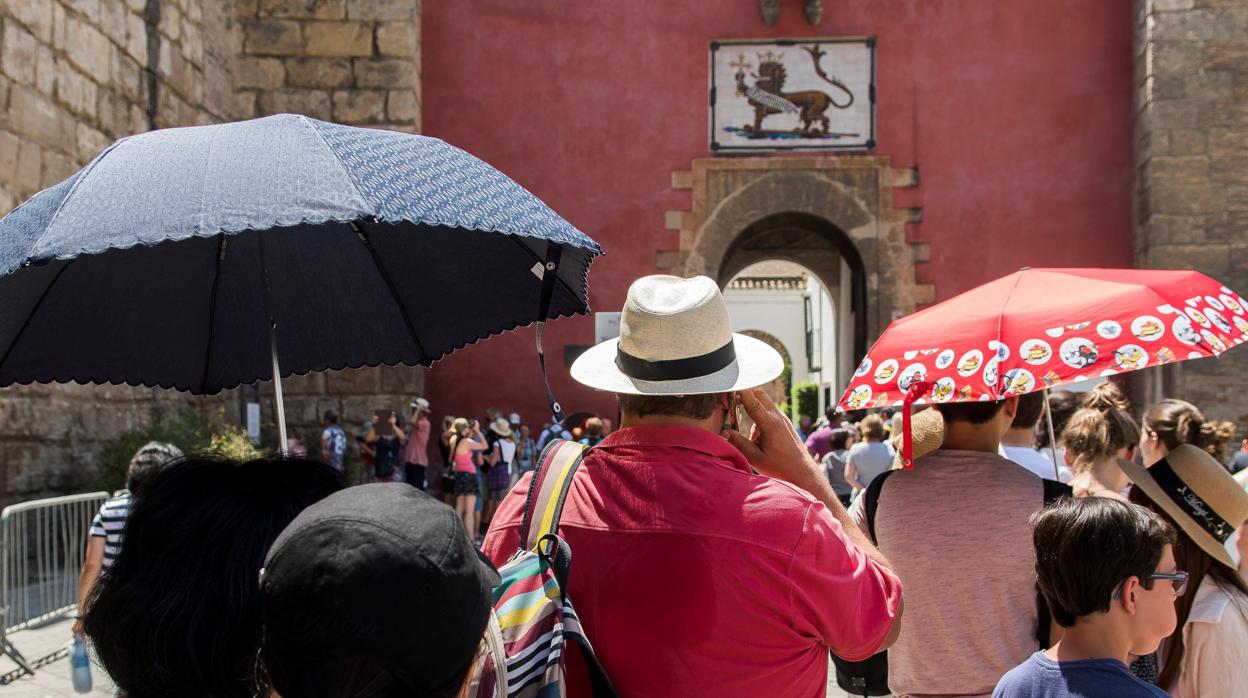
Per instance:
(1107,570)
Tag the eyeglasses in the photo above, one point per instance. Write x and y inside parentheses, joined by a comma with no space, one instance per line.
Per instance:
(1178,579)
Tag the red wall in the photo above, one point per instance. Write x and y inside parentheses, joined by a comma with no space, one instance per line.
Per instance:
(1017,113)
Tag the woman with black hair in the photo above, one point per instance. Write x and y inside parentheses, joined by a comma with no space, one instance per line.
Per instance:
(178,613)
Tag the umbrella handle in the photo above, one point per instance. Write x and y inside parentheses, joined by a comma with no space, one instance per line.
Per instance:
(277,392)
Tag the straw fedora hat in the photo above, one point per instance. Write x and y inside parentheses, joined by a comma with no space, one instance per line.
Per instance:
(501,427)
(928,428)
(1197,492)
(676,338)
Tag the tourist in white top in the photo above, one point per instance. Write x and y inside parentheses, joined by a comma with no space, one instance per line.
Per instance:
(870,457)
(1019,443)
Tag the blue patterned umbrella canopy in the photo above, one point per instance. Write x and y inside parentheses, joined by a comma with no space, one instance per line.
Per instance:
(187,258)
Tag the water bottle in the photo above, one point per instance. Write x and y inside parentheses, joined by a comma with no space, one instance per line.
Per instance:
(81,666)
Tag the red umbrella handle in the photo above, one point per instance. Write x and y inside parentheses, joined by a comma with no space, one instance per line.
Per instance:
(917,390)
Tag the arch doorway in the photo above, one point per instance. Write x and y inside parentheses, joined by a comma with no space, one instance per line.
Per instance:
(799,279)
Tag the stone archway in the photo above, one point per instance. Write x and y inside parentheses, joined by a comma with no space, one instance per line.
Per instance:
(781,207)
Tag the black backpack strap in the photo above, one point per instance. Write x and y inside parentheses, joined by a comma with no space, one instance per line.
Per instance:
(1053,490)
(871,501)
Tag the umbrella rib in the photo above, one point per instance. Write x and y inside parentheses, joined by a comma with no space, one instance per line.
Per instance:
(394,291)
(558,279)
(212,313)
(996,389)
(26,323)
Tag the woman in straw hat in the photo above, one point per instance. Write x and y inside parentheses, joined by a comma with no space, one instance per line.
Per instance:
(1207,656)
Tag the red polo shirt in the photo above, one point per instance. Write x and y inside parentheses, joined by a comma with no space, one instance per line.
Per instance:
(693,576)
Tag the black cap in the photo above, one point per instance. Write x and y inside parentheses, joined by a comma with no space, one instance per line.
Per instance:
(383,572)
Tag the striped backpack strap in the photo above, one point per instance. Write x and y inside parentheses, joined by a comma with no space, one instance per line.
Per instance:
(551,480)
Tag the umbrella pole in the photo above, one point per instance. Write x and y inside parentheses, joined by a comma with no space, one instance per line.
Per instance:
(1048,418)
(277,391)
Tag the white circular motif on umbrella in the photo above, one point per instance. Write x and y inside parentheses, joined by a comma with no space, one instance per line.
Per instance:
(913,372)
(1148,328)
(910,355)
(1198,317)
(1036,352)
(859,397)
(945,359)
(990,373)
(942,390)
(1213,340)
(1130,357)
(1195,355)
(1214,303)
(1109,329)
(1240,323)
(1109,372)
(1055,332)
(1231,304)
(885,371)
(1218,320)
(1184,332)
(1002,351)
(1019,381)
(1078,352)
(863,368)
(970,362)
(1167,308)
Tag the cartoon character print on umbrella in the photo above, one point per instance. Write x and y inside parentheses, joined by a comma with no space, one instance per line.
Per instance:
(942,390)
(1165,355)
(1240,323)
(1184,332)
(1231,303)
(991,374)
(1216,318)
(859,397)
(1078,352)
(970,362)
(1148,328)
(912,373)
(944,359)
(1109,329)
(1019,381)
(1036,352)
(885,371)
(1214,341)
(1198,318)
(863,368)
(1130,357)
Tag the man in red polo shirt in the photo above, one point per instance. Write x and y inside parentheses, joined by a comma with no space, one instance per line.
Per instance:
(691,574)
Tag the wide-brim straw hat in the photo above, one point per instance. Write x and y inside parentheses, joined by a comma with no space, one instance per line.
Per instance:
(501,427)
(676,338)
(1197,492)
(928,428)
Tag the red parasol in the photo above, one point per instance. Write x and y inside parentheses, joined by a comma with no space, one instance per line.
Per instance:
(1040,328)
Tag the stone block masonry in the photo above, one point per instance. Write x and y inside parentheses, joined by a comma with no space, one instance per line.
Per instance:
(349,61)
(1191,193)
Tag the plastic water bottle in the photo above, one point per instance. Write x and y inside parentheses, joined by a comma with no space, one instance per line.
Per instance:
(81,665)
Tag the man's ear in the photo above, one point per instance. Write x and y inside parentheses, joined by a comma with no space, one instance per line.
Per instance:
(1010,408)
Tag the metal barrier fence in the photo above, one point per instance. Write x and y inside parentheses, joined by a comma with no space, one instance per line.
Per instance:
(42,546)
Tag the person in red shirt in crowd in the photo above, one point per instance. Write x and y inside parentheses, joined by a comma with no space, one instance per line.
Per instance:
(705,562)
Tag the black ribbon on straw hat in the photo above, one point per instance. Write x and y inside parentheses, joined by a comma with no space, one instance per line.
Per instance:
(675,369)
(1191,503)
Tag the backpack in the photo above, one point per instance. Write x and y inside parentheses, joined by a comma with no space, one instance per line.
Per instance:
(869,677)
(535,614)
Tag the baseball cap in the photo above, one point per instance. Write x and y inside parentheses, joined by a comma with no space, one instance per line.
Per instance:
(382,572)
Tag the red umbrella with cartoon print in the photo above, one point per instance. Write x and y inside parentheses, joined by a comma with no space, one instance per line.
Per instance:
(1040,328)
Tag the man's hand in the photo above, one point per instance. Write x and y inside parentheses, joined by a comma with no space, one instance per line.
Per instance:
(773,448)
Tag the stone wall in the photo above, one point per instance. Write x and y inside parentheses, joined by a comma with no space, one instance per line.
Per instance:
(1191,135)
(77,74)
(349,61)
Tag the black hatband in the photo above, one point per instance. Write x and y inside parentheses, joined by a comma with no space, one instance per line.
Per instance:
(1190,502)
(675,369)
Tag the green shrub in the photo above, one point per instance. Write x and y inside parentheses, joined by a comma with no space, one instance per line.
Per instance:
(189,430)
(805,401)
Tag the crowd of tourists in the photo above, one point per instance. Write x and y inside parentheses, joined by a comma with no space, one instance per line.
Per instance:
(710,559)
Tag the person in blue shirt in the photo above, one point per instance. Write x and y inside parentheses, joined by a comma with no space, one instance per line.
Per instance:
(1107,569)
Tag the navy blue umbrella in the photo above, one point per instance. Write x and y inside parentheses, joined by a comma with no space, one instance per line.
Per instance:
(195,258)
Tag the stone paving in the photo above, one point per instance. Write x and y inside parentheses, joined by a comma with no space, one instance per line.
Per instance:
(53,681)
